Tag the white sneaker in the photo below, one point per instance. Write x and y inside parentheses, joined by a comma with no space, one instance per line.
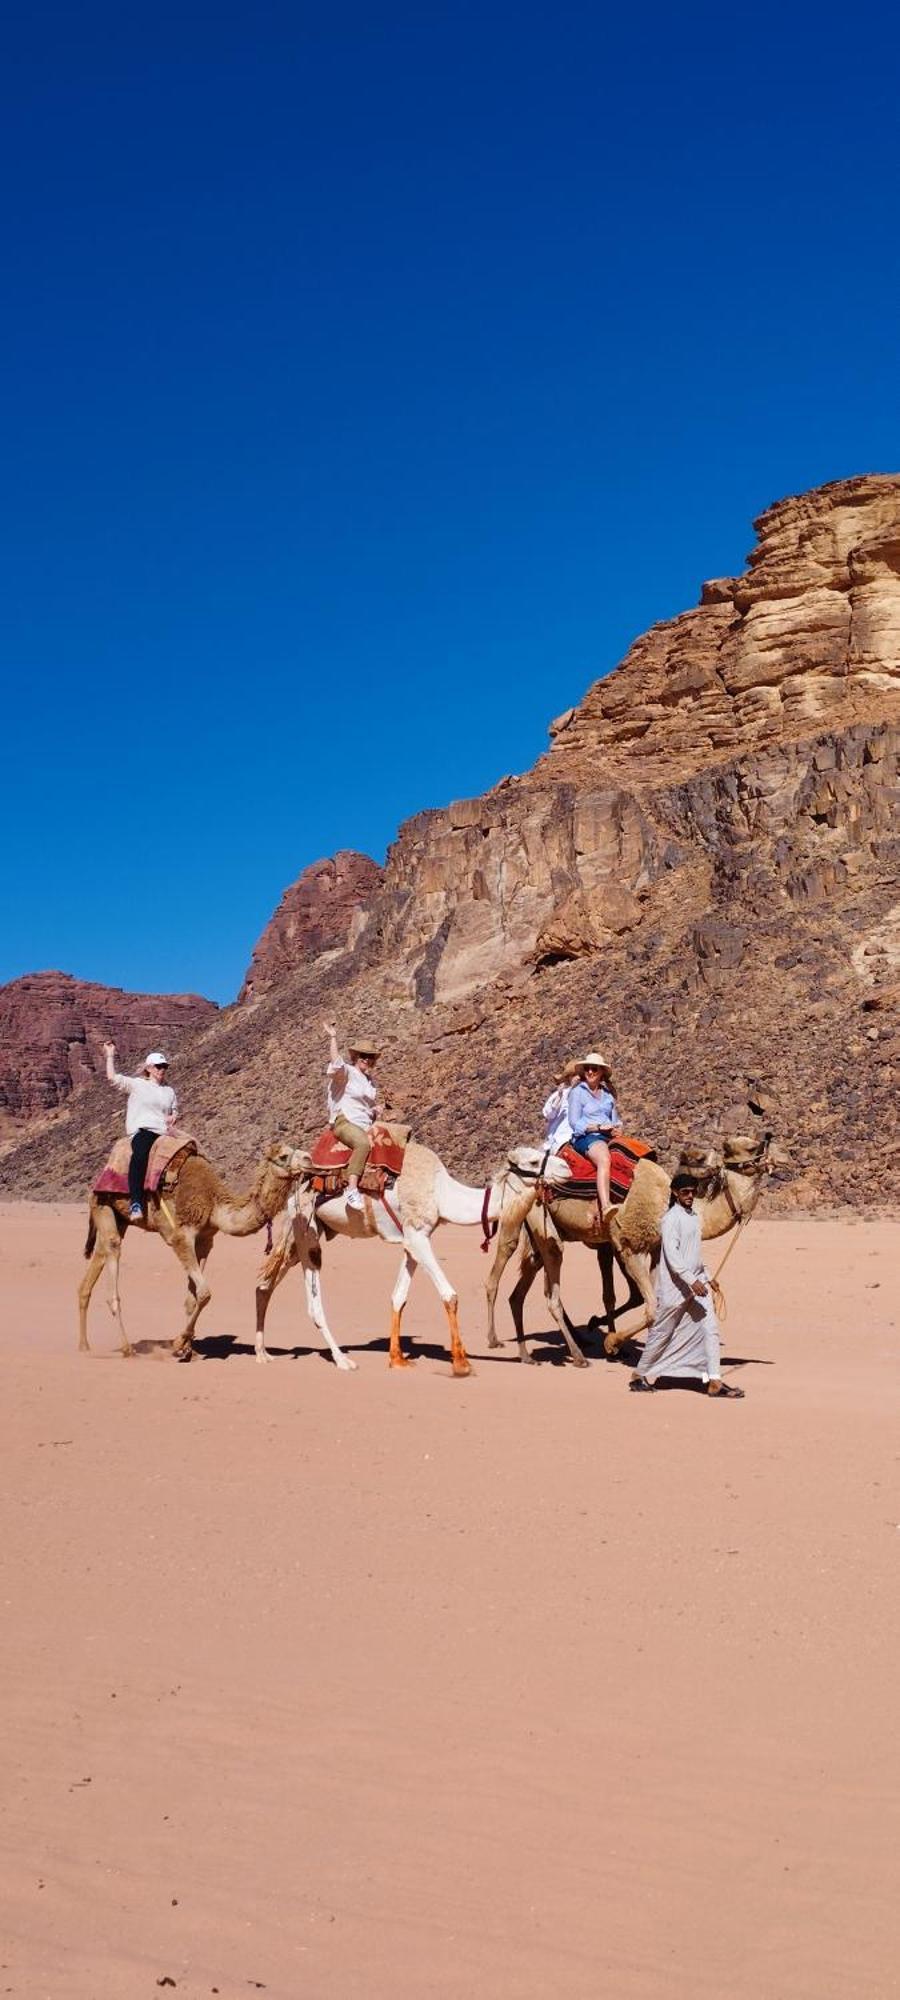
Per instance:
(354,1198)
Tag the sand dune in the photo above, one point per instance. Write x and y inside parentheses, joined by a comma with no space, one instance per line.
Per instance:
(377,1684)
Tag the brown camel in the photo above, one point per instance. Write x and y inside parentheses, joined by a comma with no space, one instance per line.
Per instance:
(629,1235)
(187,1217)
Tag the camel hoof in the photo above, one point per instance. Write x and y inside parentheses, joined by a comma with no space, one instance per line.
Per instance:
(262,1358)
(494,1341)
(127,1353)
(530,1359)
(344,1363)
(611,1346)
(580,1361)
(182,1353)
(461,1368)
(401,1361)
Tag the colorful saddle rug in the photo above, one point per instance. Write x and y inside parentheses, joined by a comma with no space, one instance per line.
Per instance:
(165,1160)
(624,1155)
(328,1160)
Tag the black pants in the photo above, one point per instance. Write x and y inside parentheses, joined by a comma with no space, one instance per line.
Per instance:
(137,1165)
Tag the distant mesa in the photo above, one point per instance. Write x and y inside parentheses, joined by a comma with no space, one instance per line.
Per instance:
(52,1030)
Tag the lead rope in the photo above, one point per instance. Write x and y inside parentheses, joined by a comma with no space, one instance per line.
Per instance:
(719,1300)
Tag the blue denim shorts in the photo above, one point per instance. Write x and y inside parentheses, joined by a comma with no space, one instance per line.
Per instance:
(586,1140)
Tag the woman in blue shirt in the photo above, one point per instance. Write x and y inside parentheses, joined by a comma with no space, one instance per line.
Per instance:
(594,1118)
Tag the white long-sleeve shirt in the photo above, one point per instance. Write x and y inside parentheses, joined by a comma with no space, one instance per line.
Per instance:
(557,1130)
(351,1094)
(681,1258)
(152,1107)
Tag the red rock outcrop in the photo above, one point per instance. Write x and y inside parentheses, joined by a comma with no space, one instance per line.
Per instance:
(52,1030)
(323,911)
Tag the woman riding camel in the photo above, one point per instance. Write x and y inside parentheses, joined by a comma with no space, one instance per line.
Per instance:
(352,1104)
(555,1114)
(152,1110)
(594,1118)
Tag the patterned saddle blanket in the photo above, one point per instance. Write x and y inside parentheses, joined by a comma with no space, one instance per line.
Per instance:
(328,1160)
(165,1161)
(624,1155)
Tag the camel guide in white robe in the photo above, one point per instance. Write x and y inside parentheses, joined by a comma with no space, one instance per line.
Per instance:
(684,1338)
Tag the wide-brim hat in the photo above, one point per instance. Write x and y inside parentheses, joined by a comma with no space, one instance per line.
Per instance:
(362,1048)
(594,1061)
(572,1067)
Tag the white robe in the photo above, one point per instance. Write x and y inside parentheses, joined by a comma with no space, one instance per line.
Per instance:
(684,1337)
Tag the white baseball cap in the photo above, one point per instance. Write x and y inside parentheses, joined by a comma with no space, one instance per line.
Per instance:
(156,1060)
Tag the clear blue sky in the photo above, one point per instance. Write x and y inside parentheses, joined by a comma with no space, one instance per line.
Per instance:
(370,377)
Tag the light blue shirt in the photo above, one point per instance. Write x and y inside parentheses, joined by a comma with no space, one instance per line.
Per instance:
(591,1107)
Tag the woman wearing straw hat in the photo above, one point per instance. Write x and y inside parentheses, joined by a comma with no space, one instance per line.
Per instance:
(557,1130)
(352,1104)
(594,1118)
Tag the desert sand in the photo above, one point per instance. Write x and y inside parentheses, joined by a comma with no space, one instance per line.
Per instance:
(392,1685)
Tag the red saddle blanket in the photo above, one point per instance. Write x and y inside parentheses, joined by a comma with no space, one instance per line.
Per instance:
(166,1158)
(624,1155)
(329,1156)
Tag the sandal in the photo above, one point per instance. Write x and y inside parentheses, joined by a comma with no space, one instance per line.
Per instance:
(640,1383)
(720,1388)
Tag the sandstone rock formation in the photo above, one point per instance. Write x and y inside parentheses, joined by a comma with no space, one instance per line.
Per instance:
(700,873)
(323,911)
(52,1030)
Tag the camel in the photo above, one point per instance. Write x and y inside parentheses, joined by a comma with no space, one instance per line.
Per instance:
(629,1235)
(424,1195)
(187,1217)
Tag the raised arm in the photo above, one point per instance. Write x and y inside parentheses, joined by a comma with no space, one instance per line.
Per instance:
(336,1061)
(112,1074)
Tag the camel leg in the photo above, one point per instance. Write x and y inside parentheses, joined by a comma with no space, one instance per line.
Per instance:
(551,1253)
(637,1270)
(184,1244)
(316,1310)
(273,1268)
(399,1296)
(105,1241)
(507,1239)
(606,1258)
(419,1248)
(529,1266)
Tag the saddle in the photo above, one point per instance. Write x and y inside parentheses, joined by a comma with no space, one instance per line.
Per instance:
(329,1156)
(164,1163)
(624,1155)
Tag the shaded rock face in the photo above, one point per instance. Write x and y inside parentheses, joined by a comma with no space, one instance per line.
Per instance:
(699,876)
(323,911)
(52,1030)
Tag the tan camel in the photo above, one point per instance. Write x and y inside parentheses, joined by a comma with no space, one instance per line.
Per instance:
(187,1217)
(424,1195)
(629,1234)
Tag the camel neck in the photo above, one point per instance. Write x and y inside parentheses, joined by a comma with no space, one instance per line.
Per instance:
(457,1201)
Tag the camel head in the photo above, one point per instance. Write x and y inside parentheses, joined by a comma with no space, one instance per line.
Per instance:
(519,1176)
(744,1153)
(280,1167)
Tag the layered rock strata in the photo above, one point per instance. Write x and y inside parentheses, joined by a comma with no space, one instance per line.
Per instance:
(52,1030)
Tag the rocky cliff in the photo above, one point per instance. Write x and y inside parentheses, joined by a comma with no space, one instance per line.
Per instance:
(700,875)
(324,911)
(52,1030)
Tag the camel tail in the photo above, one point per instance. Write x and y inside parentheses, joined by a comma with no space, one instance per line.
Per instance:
(91,1238)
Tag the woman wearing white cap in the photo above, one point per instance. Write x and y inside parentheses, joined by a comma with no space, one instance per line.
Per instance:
(594,1118)
(152,1110)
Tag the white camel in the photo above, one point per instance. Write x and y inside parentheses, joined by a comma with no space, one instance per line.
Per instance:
(423,1196)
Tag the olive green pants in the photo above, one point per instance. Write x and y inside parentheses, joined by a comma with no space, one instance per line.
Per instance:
(354,1136)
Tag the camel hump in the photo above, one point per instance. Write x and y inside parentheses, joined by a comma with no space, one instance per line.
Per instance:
(166,1159)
